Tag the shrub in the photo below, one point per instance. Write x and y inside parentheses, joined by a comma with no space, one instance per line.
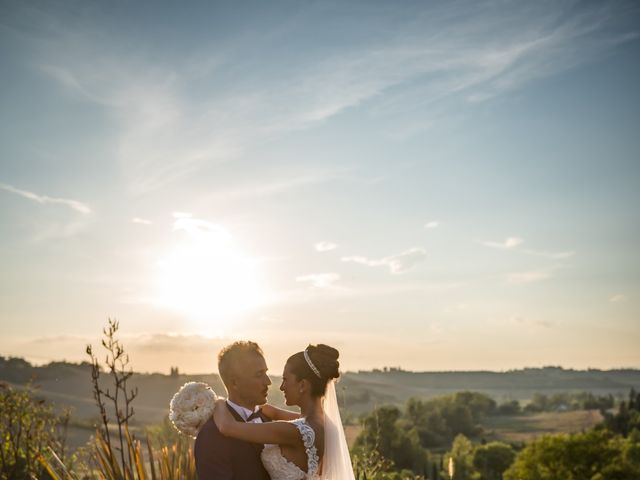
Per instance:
(28,429)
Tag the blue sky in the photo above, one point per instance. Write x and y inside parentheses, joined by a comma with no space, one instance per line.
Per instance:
(435,185)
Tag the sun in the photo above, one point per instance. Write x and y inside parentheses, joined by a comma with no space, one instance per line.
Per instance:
(205,277)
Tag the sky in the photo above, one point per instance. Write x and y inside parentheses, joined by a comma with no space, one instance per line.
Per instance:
(422,184)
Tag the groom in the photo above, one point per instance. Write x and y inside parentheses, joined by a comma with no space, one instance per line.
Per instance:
(244,374)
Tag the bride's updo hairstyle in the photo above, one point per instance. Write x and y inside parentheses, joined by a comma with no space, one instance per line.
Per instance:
(325,360)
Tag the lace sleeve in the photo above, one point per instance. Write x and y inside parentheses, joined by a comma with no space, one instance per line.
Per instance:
(309,440)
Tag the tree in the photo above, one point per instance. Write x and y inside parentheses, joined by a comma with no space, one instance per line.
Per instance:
(393,439)
(511,407)
(369,464)
(492,459)
(459,419)
(539,403)
(627,419)
(379,430)
(594,455)
(430,424)
(461,452)
(479,404)
(439,420)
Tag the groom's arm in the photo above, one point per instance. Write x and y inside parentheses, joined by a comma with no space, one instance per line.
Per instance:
(213,458)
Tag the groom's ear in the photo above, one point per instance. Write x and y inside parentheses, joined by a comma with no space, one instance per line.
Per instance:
(229,381)
(233,381)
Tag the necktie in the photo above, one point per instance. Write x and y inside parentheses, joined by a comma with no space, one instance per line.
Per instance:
(254,415)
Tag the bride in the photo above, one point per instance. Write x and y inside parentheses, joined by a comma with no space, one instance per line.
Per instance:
(312,445)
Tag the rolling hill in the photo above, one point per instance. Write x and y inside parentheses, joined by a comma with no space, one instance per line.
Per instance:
(359,392)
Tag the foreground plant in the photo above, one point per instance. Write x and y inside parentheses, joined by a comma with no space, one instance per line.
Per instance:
(115,453)
(117,362)
(29,429)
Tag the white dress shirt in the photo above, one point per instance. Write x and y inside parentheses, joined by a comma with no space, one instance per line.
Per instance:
(245,412)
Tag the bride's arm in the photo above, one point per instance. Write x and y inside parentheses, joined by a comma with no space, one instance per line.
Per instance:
(275,413)
(281,433)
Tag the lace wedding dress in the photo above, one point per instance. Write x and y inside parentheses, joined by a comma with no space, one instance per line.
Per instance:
(336,463)
(279,468)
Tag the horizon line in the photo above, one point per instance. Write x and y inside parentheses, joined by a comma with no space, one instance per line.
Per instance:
(384,369)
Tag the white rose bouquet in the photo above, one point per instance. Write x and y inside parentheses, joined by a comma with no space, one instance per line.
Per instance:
(191,407)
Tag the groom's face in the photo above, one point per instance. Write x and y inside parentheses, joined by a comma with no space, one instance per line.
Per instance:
(251,382)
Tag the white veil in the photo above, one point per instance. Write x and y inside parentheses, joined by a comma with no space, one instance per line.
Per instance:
(336,463)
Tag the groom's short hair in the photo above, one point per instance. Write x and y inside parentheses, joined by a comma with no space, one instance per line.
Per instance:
(230,355)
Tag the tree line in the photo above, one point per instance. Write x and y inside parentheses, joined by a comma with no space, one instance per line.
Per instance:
(442,438)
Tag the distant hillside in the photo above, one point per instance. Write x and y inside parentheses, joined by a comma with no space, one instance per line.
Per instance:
(359,392)
(70,384)
(363,390)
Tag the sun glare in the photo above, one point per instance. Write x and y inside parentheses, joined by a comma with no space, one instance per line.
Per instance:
(206,278)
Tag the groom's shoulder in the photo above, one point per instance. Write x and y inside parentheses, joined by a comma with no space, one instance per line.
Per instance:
(209,433)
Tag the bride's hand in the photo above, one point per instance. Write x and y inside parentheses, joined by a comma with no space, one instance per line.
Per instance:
(269,411)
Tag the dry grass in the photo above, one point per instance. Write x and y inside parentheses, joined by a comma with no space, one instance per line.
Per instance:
(351,432)
(523,428)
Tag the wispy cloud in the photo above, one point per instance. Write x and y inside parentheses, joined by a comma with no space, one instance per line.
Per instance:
(68,80)
(552,255)
(325,246)
(530,276)
(55,231)
(141,221)
(509,242)
(513,243)
(44,199)
(161,136)
(524,321)
(617,298)
(397,264)
(430,225)
(166,135)
(456,308)
(283,183)
(200,229)
(319,280)
(376,290)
